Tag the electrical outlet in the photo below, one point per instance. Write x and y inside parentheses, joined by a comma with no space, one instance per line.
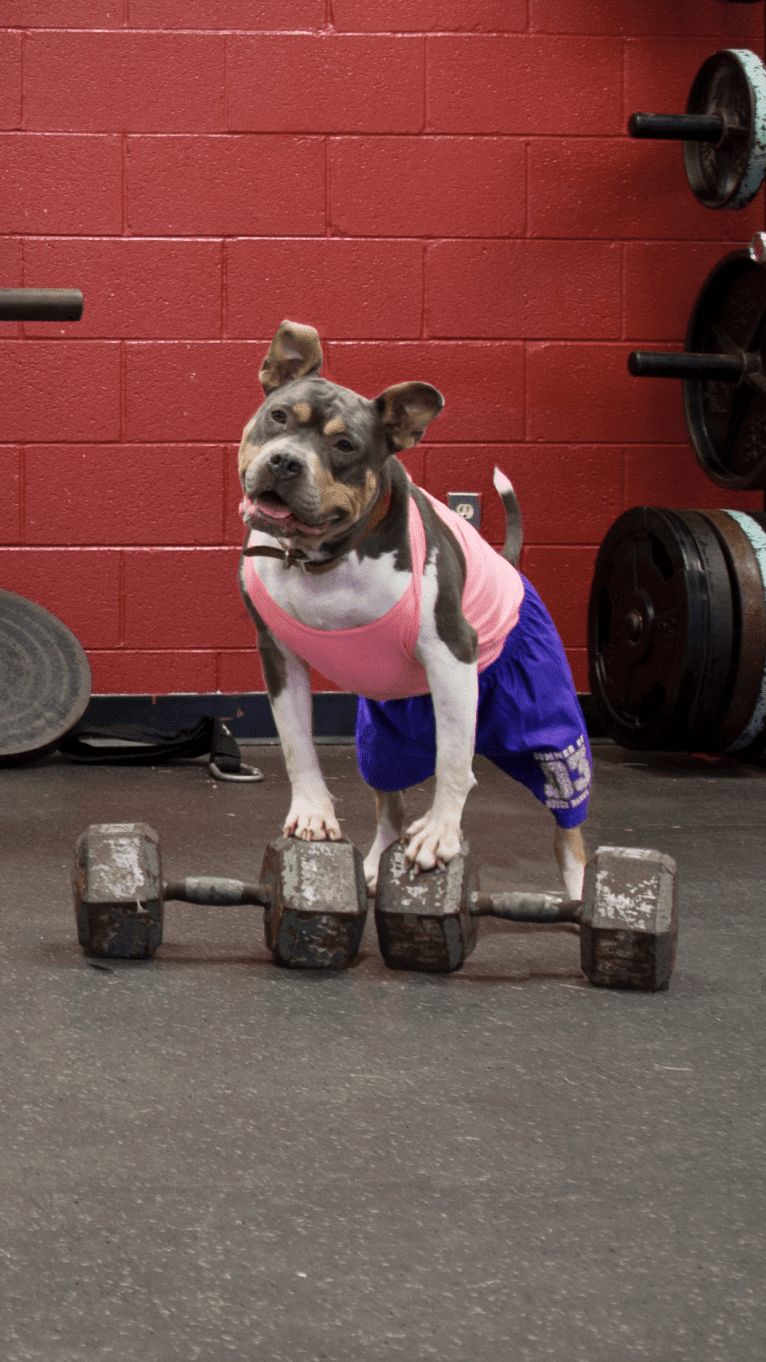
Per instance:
(466,504)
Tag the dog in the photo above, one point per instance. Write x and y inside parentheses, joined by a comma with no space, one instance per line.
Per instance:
(349,567)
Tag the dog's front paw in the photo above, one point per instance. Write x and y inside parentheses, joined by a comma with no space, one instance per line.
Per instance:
(431,841)
(311,822)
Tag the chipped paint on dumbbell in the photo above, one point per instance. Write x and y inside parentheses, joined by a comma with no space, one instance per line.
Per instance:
(426,915)
(629,922)
(318,903)
(754,174)
(118,890)
(757,721)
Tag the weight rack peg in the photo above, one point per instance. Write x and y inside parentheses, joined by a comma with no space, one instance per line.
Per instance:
(723,130)
(723,370)
(40,305)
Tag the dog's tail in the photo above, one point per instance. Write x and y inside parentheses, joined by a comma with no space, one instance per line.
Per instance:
(514,531)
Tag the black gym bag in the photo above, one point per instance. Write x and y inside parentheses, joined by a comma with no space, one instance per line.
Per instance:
(135,744)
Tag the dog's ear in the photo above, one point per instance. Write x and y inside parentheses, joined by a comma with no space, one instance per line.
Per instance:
(406,410)
(294,352)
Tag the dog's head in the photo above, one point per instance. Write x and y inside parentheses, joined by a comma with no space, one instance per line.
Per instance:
(310,459)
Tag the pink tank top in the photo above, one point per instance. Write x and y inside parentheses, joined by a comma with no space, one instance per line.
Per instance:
(376,660)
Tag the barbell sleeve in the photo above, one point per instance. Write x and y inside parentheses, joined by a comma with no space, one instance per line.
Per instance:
(677,127)
(40,304)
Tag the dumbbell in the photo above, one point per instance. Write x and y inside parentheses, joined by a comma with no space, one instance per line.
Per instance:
(313,893)
(628,916)
(723,129)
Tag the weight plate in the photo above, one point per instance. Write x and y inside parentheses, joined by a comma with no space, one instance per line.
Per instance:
(730,85)
(660,630)
(749,649)
(727,421)
(44,679)
(752,737)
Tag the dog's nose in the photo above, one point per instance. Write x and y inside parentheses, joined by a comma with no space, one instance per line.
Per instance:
(285,465)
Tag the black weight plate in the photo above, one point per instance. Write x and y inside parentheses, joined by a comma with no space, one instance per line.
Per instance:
(727,421)
(44,679)
(658,654)
(749,647)
(729,172)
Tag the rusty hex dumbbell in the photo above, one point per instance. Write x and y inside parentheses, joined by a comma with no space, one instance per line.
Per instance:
(628,917)
(313,894)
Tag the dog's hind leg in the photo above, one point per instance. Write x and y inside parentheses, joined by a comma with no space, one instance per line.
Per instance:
(389,808)
(570,853)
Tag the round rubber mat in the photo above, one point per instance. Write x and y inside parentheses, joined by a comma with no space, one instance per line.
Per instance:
(44,679)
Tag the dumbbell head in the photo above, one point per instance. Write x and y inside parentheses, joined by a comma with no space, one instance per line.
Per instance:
(317,902)
(424,921)
(629,919)
(118,890)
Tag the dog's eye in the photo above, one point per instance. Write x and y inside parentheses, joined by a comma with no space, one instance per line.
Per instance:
(279,415)
(345,445)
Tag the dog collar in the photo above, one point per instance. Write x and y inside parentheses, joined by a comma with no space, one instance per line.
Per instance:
(294,557)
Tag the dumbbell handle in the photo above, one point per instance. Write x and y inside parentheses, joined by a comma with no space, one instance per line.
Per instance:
(40,305)
(523,907)
(219,893)
(665,364)
(677,127)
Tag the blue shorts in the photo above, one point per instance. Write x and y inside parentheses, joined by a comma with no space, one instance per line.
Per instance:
(529,723)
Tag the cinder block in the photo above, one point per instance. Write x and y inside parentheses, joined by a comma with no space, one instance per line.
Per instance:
(423,16)
(62,14)
(59,390)
(659,71)
(195,390)
(123,81)
(645,18)
(427,186)
(239,670)
(524,84)
(346,289)
(621,189)
(81,586)
(662,280)
(124,494)
(482,382)
(10,277)
(584,393)
(227,14)
(301,82)
(132,288)
(669,475)
(226,186)
(125,671)
(10,86)
(568,494)
(523,288)
(53,183)
(10,506)
(562,575)
(184,598)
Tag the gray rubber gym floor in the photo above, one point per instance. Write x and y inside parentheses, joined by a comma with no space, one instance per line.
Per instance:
(206,1156)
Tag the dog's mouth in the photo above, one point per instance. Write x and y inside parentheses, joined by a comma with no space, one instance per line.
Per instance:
(270,513)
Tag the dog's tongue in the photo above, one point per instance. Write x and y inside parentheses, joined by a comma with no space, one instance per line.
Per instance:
(274,510)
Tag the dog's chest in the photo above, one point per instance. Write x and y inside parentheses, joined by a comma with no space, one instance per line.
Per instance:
(356,592)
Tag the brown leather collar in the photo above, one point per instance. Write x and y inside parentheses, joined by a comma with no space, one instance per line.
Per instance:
(295,556)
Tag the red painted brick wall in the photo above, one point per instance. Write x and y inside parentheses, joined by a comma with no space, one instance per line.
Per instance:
(444,188)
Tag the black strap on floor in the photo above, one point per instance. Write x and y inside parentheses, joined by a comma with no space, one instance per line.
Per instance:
(137,744)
